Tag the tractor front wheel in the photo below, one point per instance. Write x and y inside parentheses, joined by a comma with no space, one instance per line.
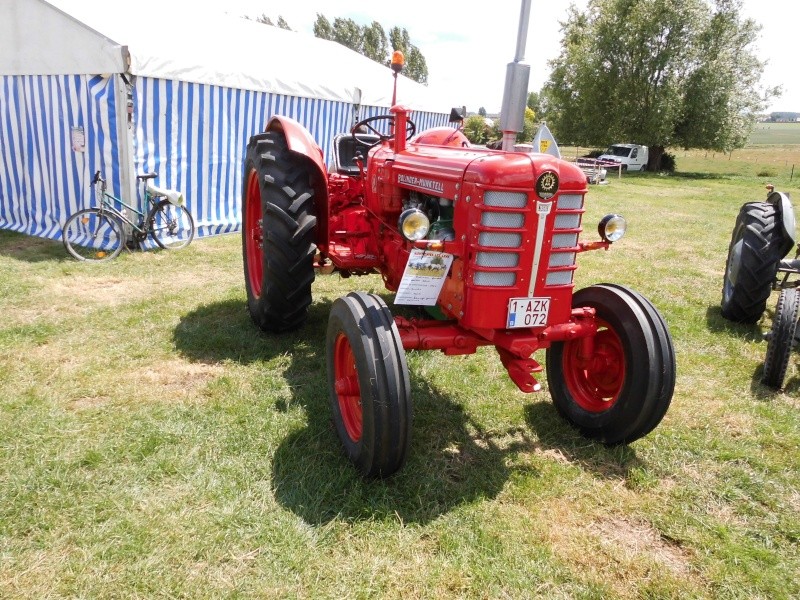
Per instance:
(278,231)
(622,390)
(781,338)
(368,384)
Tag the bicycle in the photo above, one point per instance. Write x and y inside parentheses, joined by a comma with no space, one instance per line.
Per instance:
(97,233)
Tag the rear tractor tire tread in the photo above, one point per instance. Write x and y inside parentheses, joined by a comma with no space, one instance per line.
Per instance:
(757,246)
(288,233)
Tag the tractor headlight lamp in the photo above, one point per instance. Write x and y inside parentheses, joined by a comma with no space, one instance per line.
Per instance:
(413,224)
(612,227)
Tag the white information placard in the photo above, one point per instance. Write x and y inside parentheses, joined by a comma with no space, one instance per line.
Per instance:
(423,278)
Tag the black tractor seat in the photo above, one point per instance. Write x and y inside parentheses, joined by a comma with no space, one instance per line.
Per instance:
(345,149)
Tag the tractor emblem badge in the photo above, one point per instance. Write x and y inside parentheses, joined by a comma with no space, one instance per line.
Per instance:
(547,185)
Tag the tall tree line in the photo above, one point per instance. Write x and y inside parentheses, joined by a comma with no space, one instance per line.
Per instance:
(373,42)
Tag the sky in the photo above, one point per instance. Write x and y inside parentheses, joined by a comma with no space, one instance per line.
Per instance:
(467,48)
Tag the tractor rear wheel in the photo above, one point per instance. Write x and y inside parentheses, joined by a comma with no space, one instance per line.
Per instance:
(368,384)
(781,338)
(623,390)
(757,246)
(278,232)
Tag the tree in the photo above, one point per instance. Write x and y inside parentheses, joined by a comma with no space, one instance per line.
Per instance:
(371,41)
(656,72)
(265,20)
(528,128)
(375,45)
(534,103)
(323,28)
(416,67)
(476,129)
(482,111)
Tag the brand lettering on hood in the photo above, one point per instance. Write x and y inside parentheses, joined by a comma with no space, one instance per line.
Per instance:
(426,184)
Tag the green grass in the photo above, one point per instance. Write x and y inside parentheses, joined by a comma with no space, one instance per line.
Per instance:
(154,444)
(775,133)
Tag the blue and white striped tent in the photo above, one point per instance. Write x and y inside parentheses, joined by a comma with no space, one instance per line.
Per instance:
(86,91)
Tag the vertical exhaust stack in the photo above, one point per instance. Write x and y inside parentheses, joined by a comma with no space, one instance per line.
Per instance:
(515,94)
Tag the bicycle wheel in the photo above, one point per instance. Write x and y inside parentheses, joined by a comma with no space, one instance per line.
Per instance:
(172,227)
(91,234)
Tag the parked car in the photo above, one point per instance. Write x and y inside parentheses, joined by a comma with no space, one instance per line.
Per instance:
(632,157)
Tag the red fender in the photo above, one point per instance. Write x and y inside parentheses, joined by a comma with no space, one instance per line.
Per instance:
(302,142)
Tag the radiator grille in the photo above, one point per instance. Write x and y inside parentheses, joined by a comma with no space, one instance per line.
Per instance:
(508,220)
(497,259)
(504,215)
(505,199)
(560,268)
(495,279)
(500,238)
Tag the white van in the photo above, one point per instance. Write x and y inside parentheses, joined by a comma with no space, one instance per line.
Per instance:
(632,157)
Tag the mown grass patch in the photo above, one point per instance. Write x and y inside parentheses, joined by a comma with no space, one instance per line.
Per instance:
(154,443)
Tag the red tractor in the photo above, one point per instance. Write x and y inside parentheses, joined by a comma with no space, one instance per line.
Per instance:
(487,240)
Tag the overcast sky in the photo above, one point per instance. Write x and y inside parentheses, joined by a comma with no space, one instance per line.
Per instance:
(467,46)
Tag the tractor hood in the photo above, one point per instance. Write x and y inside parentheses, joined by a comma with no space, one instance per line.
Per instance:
(440,170)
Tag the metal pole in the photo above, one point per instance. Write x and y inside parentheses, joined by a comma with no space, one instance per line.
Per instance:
(515,94)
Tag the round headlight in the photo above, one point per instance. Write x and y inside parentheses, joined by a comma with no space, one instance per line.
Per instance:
(612,227)
(413,224)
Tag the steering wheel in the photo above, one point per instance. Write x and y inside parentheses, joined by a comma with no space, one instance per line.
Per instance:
(411,129)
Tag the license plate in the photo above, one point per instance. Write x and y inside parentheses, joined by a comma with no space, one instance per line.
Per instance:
(527,312)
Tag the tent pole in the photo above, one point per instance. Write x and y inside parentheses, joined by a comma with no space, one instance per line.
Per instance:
(127,174)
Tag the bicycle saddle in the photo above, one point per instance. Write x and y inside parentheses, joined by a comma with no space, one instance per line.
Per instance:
(175,197)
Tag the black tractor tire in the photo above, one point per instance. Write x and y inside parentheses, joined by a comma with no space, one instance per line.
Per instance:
(623,391)
(278,233)
(368,381)
(757,246)
(781,338)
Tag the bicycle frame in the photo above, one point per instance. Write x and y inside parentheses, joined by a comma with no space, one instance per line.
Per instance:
(109,202)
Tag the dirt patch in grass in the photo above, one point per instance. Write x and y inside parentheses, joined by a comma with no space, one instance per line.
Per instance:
(640,554)
(632,539)
(88,402)
(176,380)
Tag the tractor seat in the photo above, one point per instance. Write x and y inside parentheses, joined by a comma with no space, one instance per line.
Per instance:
(344,152)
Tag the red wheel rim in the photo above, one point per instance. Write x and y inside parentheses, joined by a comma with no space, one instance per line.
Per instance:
(254,237)
(348,392)
(595,382)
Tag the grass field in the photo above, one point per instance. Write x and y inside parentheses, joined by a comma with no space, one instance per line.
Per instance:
(154,444)
(775,133)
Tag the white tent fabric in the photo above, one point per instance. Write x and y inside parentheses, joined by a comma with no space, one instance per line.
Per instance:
(140,94)
(38,39)
(215,49)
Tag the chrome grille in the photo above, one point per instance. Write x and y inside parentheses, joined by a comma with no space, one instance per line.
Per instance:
(570,202)
(497,259)
(570,221)
(505,199)
(562,259)
(502,213)
(507,220)
(559,278)
(494,278)
(500,240)
(565,240)
(567,226)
